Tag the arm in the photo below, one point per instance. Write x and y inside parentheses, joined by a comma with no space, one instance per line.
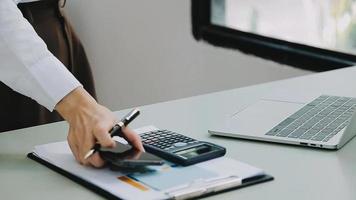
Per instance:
(30,69)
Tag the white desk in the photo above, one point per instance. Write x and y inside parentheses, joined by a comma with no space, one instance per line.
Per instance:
(300,173)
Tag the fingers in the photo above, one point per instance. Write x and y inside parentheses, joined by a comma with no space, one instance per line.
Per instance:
(137,155)
(101,134)
(81,144)
(73,144)
(96,161)
(88,141)
(133,138)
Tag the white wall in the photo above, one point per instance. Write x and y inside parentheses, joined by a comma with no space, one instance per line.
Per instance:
(143,52)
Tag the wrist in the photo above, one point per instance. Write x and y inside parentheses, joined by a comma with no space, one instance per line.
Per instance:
(75,102)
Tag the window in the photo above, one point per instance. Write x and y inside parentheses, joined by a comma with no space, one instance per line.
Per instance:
(317,35)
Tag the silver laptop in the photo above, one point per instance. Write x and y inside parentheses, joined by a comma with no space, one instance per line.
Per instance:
(326,122)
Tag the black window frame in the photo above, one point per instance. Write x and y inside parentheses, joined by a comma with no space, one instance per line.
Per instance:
(289,53)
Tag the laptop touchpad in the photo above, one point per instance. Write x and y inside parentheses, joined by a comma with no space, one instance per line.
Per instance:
(259,118)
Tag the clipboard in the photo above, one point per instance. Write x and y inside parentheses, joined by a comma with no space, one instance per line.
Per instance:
(194,190)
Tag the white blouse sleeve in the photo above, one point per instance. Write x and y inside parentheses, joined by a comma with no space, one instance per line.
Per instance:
(26,65)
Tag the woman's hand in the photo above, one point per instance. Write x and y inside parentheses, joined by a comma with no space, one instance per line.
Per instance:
(89,123)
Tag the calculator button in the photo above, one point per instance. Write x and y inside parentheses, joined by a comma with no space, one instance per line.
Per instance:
(180,144)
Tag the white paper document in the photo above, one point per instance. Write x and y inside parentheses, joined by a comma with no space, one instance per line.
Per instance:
(164,182)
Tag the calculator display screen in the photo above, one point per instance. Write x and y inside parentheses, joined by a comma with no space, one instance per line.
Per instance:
(194,151)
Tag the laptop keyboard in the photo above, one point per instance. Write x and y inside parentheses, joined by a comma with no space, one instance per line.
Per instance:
(319,120)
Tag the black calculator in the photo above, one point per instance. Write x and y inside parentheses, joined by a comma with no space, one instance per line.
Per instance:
(179,148)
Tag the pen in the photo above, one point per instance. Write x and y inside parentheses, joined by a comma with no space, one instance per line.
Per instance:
(116,130)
